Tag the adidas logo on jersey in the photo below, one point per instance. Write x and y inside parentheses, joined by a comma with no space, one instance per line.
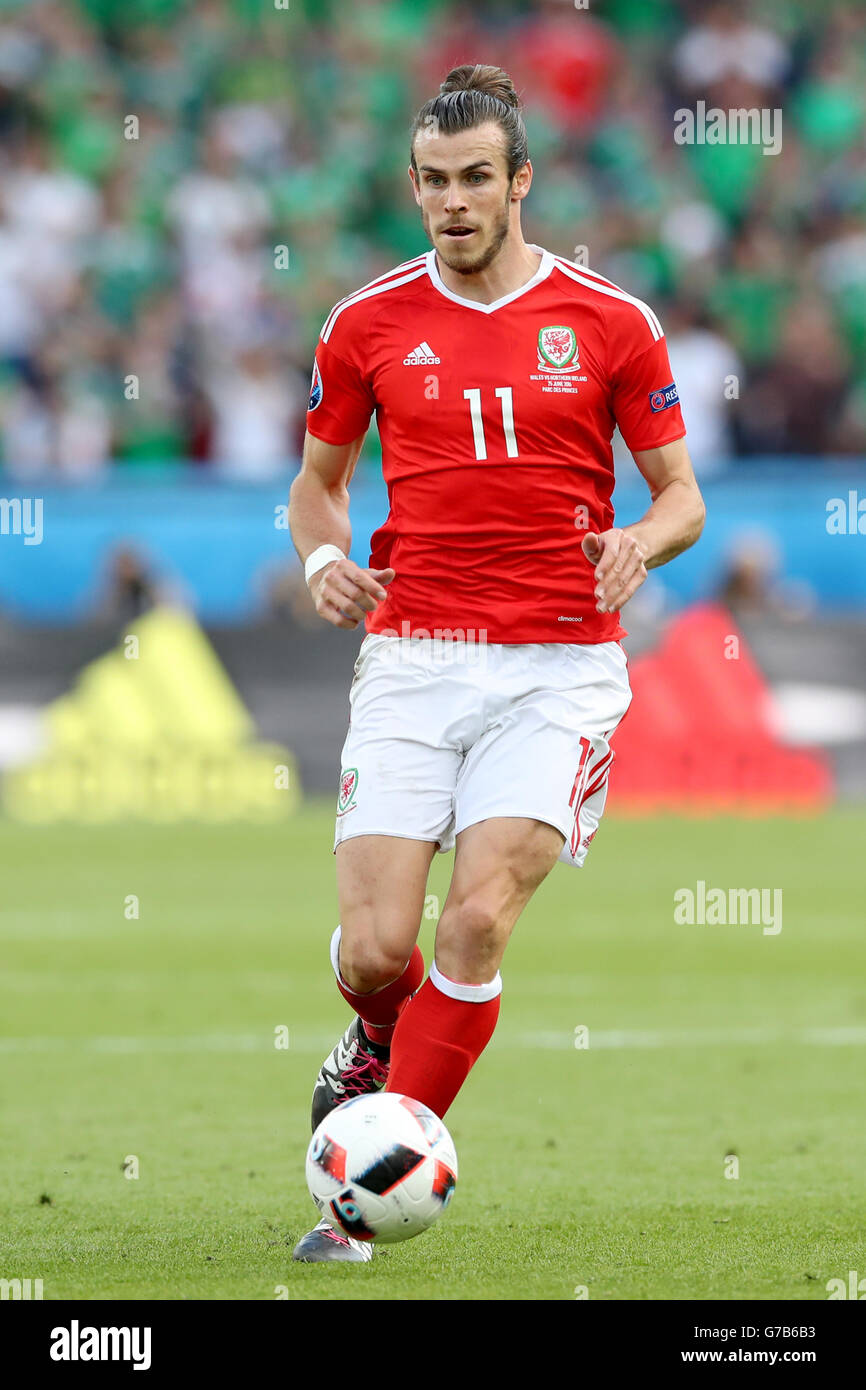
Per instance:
(422,356)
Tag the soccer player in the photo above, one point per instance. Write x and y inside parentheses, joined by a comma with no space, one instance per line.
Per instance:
(491,676)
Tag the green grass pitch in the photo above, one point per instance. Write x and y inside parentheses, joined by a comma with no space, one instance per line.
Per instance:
(147,1044)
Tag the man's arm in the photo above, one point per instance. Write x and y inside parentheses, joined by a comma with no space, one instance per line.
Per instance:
(319,515)
(673,522)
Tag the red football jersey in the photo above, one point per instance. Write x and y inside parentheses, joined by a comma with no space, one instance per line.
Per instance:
(496,423)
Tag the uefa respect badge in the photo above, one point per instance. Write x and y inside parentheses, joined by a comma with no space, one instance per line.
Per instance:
(662,399)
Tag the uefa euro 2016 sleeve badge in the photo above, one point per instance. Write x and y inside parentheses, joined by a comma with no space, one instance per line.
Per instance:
(316,390)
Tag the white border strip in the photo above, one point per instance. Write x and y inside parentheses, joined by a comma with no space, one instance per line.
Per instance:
(545,266)
(467,994)
(304,1042)
(335,952)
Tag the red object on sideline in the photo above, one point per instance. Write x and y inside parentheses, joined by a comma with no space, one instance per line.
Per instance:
(698,734)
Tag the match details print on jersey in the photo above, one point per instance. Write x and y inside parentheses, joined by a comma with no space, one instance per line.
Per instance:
(496,423)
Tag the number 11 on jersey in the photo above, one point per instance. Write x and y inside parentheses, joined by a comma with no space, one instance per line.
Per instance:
(503,393)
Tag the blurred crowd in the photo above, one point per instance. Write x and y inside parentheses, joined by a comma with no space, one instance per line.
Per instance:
(186,189)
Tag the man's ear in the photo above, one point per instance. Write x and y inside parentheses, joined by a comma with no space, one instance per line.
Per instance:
(413,178)
(522,182)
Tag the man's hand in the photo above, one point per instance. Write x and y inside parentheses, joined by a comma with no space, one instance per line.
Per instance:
(343,592)
(619,567)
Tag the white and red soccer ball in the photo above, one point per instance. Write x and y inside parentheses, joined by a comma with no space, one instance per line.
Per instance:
(381,1167)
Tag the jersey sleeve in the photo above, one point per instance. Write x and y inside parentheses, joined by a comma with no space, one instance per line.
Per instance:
(646,405)
(341,402)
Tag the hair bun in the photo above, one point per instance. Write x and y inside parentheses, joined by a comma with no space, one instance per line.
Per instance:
(481,77)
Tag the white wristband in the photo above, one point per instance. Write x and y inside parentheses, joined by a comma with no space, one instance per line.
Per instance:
(321,557)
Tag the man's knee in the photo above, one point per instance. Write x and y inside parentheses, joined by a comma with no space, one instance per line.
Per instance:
(473,932)
(368,963)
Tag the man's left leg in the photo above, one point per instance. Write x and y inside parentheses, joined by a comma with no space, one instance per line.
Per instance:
(441,1033)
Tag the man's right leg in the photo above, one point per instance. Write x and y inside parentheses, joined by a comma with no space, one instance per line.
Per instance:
(381,886)
(381,883)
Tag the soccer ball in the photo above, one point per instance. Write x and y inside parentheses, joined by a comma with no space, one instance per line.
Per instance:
(381,1167)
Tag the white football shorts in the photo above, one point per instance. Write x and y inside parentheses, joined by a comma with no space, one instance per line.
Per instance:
(443,734)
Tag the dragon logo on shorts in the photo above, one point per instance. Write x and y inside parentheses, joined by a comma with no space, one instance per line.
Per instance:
(557,348)
(348,788)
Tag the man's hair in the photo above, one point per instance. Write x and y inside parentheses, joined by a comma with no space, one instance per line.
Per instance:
(470,96)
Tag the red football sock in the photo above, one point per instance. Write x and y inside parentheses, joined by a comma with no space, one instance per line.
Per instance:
(380,1010)
(439,1037)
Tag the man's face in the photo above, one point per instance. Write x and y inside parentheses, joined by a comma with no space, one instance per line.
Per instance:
(466,198)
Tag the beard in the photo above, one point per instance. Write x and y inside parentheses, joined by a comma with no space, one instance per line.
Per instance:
(482,258)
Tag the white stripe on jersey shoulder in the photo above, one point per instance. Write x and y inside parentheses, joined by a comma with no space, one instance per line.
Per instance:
(413,269)
(602,279)
(593,281)
(388,275)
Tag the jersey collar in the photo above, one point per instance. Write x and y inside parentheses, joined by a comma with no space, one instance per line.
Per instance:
(545,267)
